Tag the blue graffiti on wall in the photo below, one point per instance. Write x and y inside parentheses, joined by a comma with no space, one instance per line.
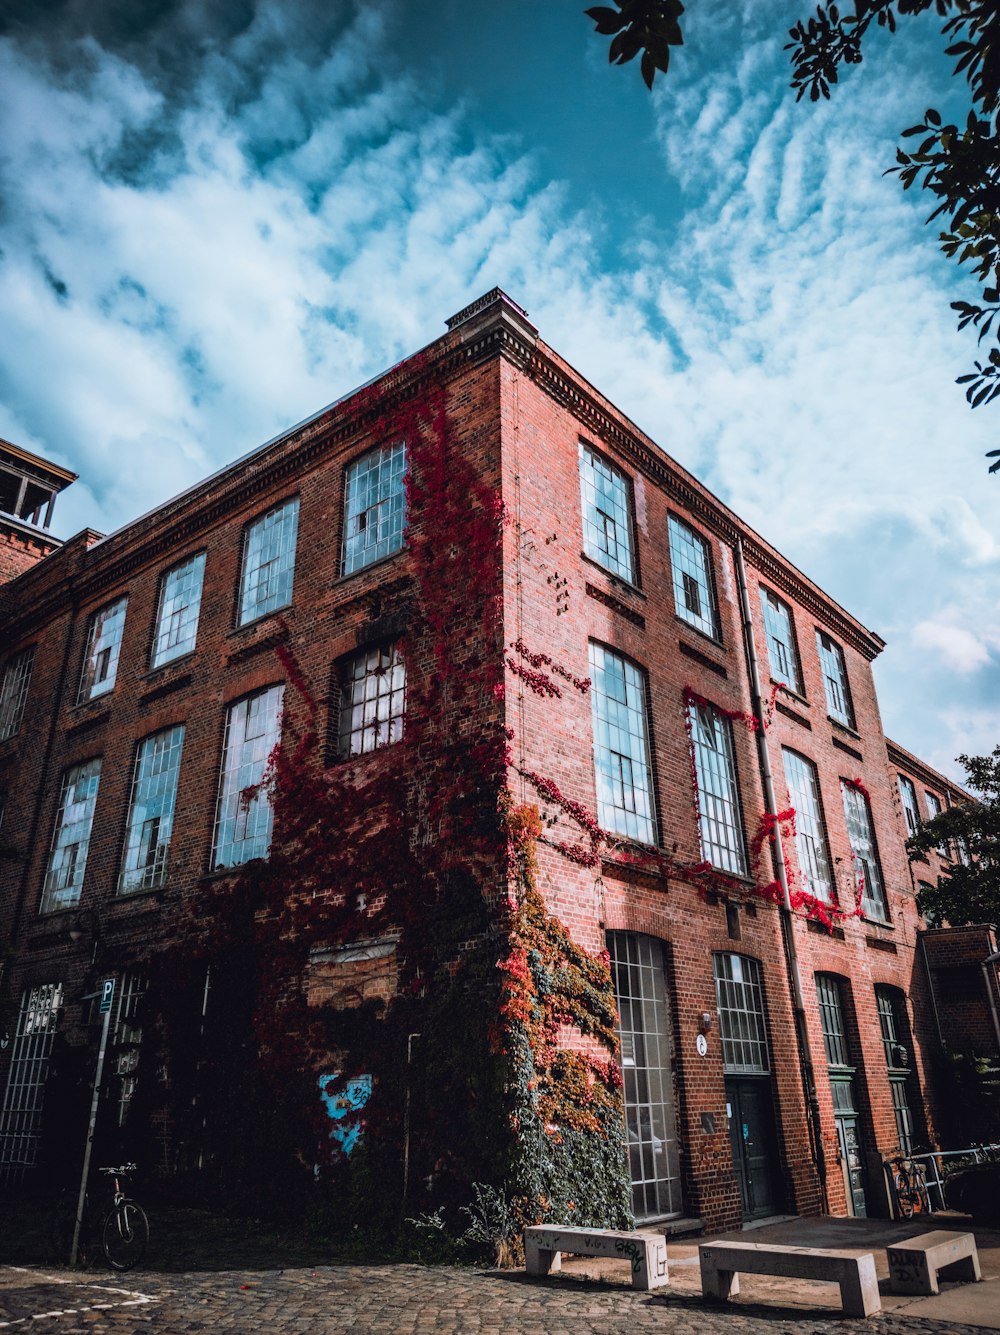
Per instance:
(342,1104)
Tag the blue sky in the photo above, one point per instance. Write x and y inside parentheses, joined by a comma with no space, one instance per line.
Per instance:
(217,217)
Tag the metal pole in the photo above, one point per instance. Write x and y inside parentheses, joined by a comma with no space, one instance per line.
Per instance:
(406,1118)
(106,1000)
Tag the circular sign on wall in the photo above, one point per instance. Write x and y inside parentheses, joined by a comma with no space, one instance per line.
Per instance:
(701,1043)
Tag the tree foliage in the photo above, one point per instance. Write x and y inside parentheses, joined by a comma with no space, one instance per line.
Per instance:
(957,162)
(970,891)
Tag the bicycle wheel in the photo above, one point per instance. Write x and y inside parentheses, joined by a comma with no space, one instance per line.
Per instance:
(904,1195)
(126,1233)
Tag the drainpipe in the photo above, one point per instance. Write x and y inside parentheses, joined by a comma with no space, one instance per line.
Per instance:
(993,959)
(785,909)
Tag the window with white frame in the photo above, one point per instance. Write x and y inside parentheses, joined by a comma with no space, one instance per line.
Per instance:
(621,747)
(177,616)
(151,811)
(372,700)
(810,836)
(607,513)
(24,1096)
(934,808)
(374,506)
(104,645)
(691,564)
(14,691)
(243,815)
(269,561)
(862,837)
(71,837)
(739,995)
(911,811)
(719,817)
(781,650)
(838,696)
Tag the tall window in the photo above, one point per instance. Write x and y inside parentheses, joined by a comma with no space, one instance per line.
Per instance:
(781,651)
(742,1027)
(934,808)
(838,696)
(694,594)
(151,813)
(831,1015)
(104,645)
(127,1039)
(243,822)
(269,561)
(621,749)
(14,691)
(20,1120)
(810,837)
(71,837)
(180,605)
(607,513)
(719,817)
(895,1036)
(862,837)
(374,506)
(910,809)
(372,700)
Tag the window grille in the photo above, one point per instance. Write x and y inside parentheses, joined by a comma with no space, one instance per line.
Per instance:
(104,644)
(372,701)
(374,506)
(14,691)
(895,1035)
(781,651)
(20,1121)
(742,1026)
(720,819)
(621,750)
(180,606)
(637,967)
(810,837)
(151,811)
(910,809)
(243,821)
(71,837)
(859,831)
(607,513)
(269,561)
(691,563)
(831,1015)
(934,808)
(126,1039)
(838,696)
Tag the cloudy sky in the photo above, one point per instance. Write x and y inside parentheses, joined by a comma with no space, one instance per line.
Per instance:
(217,216)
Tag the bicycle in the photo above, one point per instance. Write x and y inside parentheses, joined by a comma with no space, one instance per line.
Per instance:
(123,1229)
(910,1185)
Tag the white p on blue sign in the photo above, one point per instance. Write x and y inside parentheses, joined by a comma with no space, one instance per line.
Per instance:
(107,995)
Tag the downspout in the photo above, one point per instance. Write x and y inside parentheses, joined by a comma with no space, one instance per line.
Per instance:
(806,1068)
(993,959)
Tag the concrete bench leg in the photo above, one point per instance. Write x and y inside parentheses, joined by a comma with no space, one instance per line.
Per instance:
(859,1293)
(649,1270)
(716,1283)
(539,1260)
(966,1268)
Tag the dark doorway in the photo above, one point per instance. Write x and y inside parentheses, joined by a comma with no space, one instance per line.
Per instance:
(752,1134)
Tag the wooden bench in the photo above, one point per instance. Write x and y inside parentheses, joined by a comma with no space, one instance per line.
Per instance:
(721,1262)
(914,1264)
(645,1252)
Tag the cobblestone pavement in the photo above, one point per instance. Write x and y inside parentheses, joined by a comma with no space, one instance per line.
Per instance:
(329,1300)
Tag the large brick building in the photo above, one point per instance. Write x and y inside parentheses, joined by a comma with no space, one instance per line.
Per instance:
(668,691)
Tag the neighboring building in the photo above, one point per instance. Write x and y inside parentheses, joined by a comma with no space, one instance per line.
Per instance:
(770,1061)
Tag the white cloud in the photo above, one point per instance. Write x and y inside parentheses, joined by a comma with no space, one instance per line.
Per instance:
(960,649)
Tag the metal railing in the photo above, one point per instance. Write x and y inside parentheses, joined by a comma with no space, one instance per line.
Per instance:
(937,1166)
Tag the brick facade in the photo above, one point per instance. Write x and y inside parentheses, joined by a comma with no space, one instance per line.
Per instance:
(520,417)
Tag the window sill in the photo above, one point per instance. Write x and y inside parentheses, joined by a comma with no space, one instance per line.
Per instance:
(618,582)
(372,565)
(794,695)
(702,634)
(154,675)
(220,873)
(286,612)
(843,727)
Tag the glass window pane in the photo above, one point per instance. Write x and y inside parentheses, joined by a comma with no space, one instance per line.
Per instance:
(372,700)
(719,816)
(374,506)
(71,837)
(911,812)
(151,812)
(607,513)
(810,836)
(14,691)
(104,643)
(242,822)
(838,697)
(859,831)
(742,1025)
(621,750)
(24,1096)
(180,605)
(269,561)
(694,595)
(782,654)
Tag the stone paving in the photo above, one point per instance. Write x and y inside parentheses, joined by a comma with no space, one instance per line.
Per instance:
(331,1300)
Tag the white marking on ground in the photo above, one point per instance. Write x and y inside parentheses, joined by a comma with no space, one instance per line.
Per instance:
(128,1298)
